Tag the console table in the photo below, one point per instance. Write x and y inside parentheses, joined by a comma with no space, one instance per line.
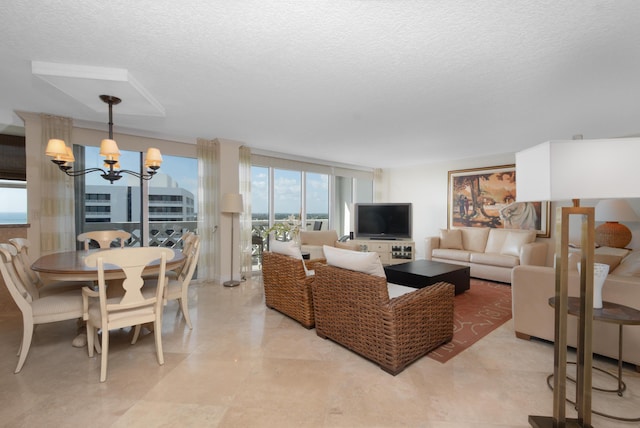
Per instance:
(611,313)
(390,251)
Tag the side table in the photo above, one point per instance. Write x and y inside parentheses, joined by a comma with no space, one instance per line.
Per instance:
(612,313)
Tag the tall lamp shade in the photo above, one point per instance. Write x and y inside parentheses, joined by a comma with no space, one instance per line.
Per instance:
(612,233)
(572,170)
(231,204)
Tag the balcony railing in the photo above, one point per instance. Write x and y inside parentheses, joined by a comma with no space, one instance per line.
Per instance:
(161,234)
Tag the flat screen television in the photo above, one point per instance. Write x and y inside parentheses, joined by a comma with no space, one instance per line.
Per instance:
(383,221)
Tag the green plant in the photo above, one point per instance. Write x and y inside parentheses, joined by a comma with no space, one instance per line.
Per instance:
(284,231)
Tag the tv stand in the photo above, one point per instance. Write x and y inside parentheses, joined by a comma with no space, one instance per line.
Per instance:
(391,253)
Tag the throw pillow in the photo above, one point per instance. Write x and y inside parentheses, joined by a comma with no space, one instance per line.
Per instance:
(291,249)
(359,261)
(451,239)
(628,267)
(514,242)
(288,248)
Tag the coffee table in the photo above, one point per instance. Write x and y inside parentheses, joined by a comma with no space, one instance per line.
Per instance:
(422,273)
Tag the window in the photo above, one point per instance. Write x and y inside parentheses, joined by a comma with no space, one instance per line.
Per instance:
(287,198)
(13,176)
(169,211)
(316,201)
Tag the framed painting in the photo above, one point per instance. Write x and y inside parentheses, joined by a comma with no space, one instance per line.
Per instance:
(486,197)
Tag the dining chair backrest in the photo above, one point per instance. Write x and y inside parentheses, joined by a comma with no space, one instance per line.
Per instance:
(104,238)
(189,266)
(132,261)
(35,309)
(12,280)
(23,262)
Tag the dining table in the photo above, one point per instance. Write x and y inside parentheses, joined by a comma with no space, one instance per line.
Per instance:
(70,266)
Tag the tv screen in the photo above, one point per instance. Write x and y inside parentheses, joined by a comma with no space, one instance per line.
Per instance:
(383,221)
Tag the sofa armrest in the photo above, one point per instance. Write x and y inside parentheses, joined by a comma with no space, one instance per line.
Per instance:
(534,253)
(430,243)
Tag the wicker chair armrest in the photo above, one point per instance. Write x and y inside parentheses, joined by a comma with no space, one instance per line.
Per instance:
(314,263)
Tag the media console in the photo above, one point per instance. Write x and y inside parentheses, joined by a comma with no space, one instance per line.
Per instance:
(391,252)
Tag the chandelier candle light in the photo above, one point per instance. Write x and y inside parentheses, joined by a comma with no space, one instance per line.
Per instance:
(63,155)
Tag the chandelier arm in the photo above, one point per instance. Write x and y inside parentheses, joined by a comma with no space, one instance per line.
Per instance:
(77,173)
(148,176)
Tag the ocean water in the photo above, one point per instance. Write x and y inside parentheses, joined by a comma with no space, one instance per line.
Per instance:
(13,218)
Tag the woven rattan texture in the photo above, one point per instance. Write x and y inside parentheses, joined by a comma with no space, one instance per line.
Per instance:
(287,288)
(354,310)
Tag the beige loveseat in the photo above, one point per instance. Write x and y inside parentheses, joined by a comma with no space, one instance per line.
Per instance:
(531,287)
(490,253)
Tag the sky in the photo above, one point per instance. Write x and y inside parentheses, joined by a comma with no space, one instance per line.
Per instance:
(288,191)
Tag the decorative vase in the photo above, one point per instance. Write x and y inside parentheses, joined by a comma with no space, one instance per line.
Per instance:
(600,272)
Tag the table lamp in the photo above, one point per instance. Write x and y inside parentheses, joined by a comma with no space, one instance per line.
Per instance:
(573,170)
(231,204)
(612,233)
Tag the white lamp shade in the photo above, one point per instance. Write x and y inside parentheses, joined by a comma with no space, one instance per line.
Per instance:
(154,157)
(56,148)
(231,203)
(578,169)
(68,155)
(109,148)
(615,210)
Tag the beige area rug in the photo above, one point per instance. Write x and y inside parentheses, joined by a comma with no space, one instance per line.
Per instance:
(477,312)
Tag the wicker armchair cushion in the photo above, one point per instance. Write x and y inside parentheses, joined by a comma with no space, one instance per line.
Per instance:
(291,249)
(359,261)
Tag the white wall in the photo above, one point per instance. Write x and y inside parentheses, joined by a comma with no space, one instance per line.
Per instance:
(426,187)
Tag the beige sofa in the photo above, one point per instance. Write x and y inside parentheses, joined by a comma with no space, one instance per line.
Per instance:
(531,287)
(311,241)
(490,253)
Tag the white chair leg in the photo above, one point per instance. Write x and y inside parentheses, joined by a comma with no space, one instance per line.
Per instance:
(91,337)
(136,334)
(157,330)
(27,335)
(184,307)
(105,353)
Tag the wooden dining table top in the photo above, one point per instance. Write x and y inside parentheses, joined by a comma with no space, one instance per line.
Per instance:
(70,266)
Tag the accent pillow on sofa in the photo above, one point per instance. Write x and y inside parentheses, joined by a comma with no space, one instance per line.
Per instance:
(475,238)
(359,261)
(451,239)
(514,242)
(629,266)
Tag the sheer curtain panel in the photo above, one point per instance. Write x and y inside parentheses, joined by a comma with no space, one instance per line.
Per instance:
(57,221)
(245,217)
(208,171)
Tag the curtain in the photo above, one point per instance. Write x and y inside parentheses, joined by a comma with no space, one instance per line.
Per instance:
(377,185)
(246,244)
(208,171)
(57,218)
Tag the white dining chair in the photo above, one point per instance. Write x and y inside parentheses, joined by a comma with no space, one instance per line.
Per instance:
(104,238)
(178,288)
(35,309)
(35,285)
(130,309)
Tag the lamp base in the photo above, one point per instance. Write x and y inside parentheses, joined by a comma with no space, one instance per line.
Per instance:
(231,283)
(613,234)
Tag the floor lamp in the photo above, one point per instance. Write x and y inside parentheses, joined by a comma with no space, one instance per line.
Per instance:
(231,204)
(574,170)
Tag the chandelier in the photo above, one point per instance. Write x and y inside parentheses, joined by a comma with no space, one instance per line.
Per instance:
(63,155)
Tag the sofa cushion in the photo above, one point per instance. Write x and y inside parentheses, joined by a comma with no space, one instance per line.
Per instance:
(475,238)
(318,237)
(515,240)
(347,245)
(359,261)
(495,241)
(451,239)
(630,265)
(493,259)
(459,255)
(396,290)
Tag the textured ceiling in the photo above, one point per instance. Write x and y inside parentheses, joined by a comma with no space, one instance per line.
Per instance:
(372,83)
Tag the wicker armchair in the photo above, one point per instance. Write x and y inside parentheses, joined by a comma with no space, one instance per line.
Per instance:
(287,288)
(354,310)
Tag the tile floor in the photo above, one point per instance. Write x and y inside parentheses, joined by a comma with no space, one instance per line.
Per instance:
(244,365)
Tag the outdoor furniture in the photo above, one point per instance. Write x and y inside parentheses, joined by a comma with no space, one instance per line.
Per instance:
(354,309)
(287,287)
